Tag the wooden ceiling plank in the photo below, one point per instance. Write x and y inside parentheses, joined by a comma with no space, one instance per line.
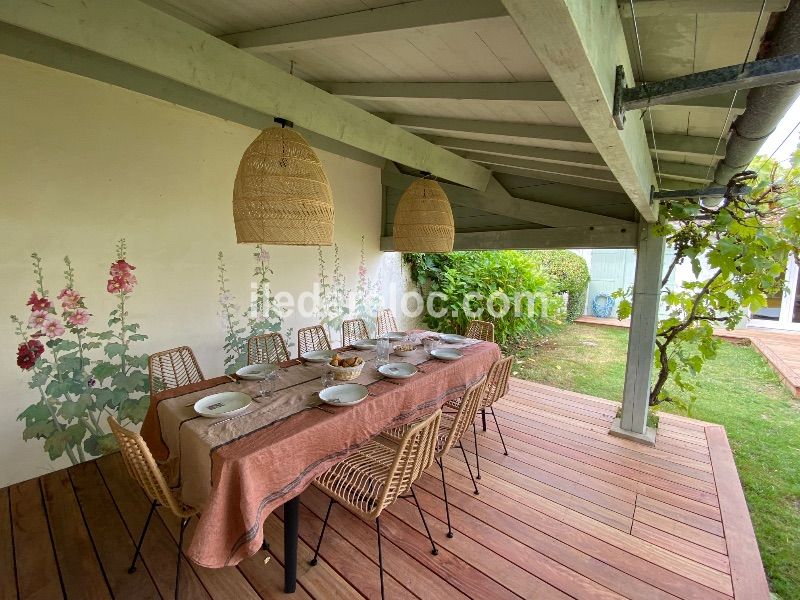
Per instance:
(144,37)
(580,44)
(666,8)
(518,151)
(366,25)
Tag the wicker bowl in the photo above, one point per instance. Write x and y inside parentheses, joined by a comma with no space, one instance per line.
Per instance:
(346,373)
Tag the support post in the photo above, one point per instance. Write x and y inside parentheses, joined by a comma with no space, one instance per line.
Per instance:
(641,344)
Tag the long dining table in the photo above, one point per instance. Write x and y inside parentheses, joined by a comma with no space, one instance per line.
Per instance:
(238,470)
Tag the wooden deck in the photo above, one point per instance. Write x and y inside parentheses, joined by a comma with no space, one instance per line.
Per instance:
(781,349)
(571,512)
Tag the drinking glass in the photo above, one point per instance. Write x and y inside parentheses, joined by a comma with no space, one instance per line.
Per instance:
(429,344)
(327,378)
(382,350)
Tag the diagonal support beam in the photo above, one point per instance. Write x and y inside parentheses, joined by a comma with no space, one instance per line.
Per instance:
(139,35)
(496,200)
(528,91)
(366,25)
(580,44)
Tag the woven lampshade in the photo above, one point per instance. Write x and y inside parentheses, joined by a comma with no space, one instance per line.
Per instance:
(281,195)
(423,221)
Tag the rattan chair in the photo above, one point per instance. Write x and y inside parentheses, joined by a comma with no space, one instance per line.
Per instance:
(385,322)
(496,387)
(312,338)
(143,469)
(452,429)
(480,330)
(375,476)
(266,348)
(172,368)
(354,330)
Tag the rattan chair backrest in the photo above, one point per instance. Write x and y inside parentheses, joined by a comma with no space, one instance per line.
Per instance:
(480,330)
(415,453)
(385,322)
(172,368)
(354,330)
(143,469)
(266,348)
(312,338)
(497,381)
(467,409)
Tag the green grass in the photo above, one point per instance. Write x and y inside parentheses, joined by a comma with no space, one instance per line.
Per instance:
(737,389)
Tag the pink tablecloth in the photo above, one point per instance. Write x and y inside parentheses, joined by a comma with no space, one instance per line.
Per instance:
(254,472)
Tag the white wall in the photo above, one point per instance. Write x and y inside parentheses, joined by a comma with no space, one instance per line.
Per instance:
(83,164)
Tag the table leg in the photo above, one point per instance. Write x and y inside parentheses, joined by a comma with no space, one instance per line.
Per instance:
(291,522)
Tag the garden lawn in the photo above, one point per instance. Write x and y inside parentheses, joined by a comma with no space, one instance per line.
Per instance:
(737,389)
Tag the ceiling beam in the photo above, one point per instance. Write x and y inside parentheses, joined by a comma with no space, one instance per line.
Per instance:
(518,168)
(687,144)
(544,167)
(496,200)
(665,8)
(580,44)
(539,92)
(366,25)
(527,91)
(520,151)
(520,130)
(139,35)
(543,238)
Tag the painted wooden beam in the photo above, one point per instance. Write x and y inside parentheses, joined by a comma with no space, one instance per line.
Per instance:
(366,25)
(712,102)
(527,91)
(139,35)
(519,151)
(544,238)
(520,130)
(580,44)
(666,8)
(496,200)
(641,342)
(696,173)
(687,144)
(586,184)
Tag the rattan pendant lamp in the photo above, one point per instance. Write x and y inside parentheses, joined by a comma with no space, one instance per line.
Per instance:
(281,195)
(423,221)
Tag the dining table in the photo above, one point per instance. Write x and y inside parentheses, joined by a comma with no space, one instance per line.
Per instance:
(238,470)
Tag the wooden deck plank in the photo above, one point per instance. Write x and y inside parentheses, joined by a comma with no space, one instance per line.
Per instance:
(37,570)
(747,572)
(111,538)
(571,512)
(8,576)
(80,569)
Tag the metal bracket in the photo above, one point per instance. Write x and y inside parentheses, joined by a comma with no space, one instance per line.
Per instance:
(758,73)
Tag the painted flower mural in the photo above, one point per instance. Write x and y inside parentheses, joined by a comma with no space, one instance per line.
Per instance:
(263,315)
(75,386)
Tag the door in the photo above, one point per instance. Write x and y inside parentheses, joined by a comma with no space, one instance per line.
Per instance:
(783,310)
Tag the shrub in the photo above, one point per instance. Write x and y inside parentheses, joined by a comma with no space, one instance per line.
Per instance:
(568,274)
(510,272)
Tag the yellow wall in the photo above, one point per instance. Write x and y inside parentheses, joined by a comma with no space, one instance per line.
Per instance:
(83,164)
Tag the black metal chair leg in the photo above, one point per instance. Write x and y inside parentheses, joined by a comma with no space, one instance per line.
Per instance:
(505,451)
(184,523)
(477,455)
(313,561)
(434,550)
(446,503)
(464,452)
(483,418)
(380,554)
(132,568)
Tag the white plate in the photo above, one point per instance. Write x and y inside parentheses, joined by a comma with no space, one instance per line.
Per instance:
(366,344)
(398,370)
(452,338)
(345,394)
(394,335)
(256,372)
(318,355)
(224,404)
(447,353)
